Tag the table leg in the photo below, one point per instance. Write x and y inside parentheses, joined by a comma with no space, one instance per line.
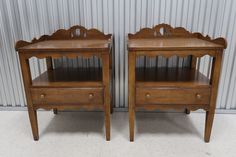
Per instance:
(208,125)
(55,111)
(131,89)
(215,76)
(107,102)
(187,111)
(111,106)
(34,123)
(25,69)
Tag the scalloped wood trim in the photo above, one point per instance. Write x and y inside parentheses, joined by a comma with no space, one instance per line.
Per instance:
(171,107)
(220,40)
(166,31)
(73,33)
(68,107)
(161,30)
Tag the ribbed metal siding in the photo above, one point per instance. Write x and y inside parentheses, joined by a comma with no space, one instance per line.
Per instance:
(25,19)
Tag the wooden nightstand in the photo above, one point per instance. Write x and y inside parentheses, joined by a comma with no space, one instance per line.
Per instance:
(173,88)
(68,88)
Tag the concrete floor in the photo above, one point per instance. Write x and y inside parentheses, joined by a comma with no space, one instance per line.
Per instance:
(81,134)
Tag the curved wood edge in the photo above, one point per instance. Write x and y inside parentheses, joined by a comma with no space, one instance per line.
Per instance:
(220,40)
(75,32)
(68,107)
(161,30)
(166,107)
(167,31)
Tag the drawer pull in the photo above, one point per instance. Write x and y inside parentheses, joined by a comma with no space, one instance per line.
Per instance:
(91,95)
(42,96)
(148,95)
(198,96)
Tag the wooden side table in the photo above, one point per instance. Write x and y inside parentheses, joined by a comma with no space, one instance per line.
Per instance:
(173,88)
(68,88)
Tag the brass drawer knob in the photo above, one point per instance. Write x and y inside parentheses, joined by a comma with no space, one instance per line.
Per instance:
(91,95)
(148,95)
(198,96)
(42,96)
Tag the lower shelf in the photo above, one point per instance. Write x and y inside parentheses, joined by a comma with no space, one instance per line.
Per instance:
(170,77)
(69,77)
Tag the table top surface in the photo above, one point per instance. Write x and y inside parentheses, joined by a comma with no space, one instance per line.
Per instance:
(171,43)
(60,45)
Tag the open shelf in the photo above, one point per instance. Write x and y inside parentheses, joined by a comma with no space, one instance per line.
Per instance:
(69,77)
(170,77)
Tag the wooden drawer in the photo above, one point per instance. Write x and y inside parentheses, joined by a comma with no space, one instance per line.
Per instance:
(67,96)
(172,96)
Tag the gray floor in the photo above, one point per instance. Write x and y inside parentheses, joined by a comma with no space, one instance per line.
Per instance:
(81,134)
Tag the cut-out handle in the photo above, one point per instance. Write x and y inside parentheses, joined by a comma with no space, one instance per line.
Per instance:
(161,31)
(77,32)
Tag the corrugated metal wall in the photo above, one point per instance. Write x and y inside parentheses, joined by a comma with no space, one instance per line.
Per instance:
(26,19)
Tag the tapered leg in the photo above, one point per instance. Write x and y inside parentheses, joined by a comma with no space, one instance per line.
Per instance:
(107,119)
(50,67)
(111,107)
(111,83)
(111,100)
(55,111)
(208,125)
(192,66)
(187,111)
(131,90)
(34,123)
(107,101)
(25,69)
(131,124)
(215,75)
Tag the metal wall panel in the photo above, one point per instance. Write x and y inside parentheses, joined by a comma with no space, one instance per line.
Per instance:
(26,19)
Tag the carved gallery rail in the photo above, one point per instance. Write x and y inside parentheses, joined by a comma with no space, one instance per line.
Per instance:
(173,88)
(68,88)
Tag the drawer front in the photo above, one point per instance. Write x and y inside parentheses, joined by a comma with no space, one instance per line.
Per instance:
(67,96)
(172,96)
